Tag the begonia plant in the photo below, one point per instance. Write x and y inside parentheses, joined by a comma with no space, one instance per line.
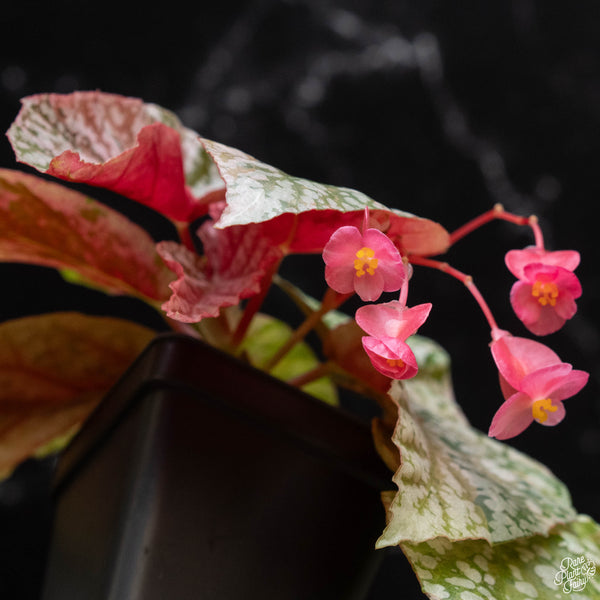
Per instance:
(475,517)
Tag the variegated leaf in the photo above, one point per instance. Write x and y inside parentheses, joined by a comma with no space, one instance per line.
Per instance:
(258,192)
(457,483)
(139,150)
(532,568)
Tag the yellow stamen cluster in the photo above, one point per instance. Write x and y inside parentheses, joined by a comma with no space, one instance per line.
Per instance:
(365,258)
(545,292)
(541,408)
(395,362)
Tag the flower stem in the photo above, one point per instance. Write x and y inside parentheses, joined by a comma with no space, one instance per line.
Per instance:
(404,289)
(467,280)
(330,301)
(185,235)
(498,212)
(321,370)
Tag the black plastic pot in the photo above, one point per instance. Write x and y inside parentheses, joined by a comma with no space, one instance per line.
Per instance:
(202,478)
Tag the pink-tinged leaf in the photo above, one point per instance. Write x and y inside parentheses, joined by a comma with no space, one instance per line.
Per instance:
(257,192)
(47,224)
(235,261)
(139,150)
(54,369)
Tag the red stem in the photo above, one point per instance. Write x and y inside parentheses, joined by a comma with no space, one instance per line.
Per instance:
(331,300)
(498,212)
(253,306)
(467,280)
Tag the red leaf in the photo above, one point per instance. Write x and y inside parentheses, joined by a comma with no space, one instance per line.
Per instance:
(151,173)
(47,224)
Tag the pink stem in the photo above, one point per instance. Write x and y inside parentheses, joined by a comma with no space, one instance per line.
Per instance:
(498,212)
(404,289)
(466,279)
(331,300)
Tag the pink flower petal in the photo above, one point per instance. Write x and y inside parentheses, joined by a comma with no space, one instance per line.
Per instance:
(515,357)
(525,305)
(392,319)
(549,321)
(369,287)
(554,417)
(390,266)
(512,418)
(571,385)
(565,307)
(391,357)
(368,263)
(541,383)
(339,254)
(544,299)
(517,260)
(566,281)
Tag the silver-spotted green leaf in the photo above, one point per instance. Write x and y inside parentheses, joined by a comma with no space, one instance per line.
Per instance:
(258,192)
(265,336)
(533,568)
(457,483)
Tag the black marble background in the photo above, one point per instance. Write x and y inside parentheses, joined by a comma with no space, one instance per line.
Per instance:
(438,108)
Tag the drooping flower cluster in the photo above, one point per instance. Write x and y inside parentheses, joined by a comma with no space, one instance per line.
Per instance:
(369,264)
(533,379)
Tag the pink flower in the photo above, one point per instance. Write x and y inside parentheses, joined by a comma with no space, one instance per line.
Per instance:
(366,263)
(544,297)
(534,383)
(388,326)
